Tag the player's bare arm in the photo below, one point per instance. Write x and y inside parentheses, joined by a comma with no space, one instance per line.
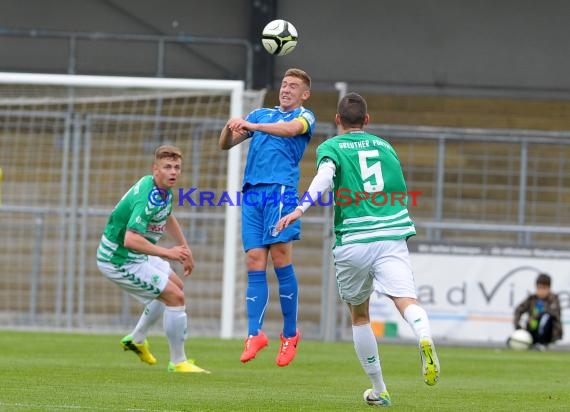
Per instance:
(174,229)
(138,243)
(232,134)
(284,129)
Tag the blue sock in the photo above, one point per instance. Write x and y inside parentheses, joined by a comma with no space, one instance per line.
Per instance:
(256,298)
(288,295)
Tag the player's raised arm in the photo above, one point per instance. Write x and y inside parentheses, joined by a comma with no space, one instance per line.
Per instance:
(292,128)
(233,134)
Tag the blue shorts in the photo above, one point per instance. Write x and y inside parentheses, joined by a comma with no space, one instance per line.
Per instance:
(262,206)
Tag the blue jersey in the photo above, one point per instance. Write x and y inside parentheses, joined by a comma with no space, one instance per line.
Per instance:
(275,159)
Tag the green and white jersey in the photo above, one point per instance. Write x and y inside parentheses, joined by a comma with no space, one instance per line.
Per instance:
(135,212)
(369,190)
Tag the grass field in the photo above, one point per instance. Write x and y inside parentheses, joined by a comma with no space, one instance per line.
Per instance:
(63,372)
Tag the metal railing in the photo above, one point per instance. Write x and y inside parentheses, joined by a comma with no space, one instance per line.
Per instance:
(450,150)
(441,139)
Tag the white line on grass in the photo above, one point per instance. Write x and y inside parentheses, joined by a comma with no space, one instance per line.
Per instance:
(79,407)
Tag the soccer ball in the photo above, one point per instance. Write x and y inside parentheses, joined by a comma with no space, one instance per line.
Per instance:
(521,339)
(279,37)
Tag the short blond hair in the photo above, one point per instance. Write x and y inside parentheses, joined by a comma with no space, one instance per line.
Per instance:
(167,152)
(299,74)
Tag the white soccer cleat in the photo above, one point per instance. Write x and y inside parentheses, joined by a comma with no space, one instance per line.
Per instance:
(382,399)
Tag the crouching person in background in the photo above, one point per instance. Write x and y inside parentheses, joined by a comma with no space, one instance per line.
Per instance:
(543,311)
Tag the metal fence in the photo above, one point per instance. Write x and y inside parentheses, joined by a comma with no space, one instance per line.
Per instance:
(499,187)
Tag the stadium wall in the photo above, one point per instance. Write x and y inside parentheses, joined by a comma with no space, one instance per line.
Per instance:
(485,44)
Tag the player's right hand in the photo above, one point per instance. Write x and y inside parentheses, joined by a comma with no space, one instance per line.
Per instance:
(288,219)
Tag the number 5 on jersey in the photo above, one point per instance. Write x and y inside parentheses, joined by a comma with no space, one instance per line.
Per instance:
(374,170)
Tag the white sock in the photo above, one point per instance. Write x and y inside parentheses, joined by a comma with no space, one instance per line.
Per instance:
(152,312)
(367,353)
(418,320)
(175,324)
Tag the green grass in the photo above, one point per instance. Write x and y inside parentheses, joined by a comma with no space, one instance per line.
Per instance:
(62,372)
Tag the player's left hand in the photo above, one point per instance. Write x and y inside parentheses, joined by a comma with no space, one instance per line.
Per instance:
(288,219)
(188,264)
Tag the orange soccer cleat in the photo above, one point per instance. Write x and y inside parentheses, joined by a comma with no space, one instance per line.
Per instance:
(288,349)
(253,344)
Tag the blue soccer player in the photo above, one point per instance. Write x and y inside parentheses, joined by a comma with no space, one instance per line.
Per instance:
(279,137)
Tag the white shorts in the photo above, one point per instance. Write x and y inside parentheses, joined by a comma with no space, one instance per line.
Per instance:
(144,281)
(384,265)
